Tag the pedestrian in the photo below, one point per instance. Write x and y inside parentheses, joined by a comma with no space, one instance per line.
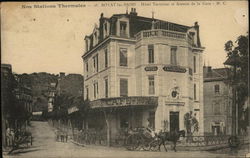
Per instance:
(8,136)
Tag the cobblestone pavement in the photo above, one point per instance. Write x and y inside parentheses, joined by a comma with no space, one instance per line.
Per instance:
(45,145)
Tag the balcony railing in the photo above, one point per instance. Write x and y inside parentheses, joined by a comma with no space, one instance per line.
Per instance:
(164,33)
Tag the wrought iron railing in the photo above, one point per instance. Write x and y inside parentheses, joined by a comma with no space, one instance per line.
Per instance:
(91,136)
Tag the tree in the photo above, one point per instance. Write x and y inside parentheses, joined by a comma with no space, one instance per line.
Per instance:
(239,50)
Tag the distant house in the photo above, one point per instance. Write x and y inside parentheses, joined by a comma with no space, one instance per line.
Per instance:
(217,101)
(70,85)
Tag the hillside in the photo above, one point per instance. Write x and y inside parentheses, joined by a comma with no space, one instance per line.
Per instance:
(39,83)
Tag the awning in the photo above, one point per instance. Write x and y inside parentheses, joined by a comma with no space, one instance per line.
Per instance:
(124,102)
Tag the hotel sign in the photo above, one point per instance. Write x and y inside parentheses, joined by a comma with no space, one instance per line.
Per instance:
(151,68)
(174,69)
(124,101)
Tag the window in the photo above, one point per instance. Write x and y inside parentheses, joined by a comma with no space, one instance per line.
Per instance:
(87,66)
(123,57)
(194,91)
(87,93)
(173,56)
(152,119)
(96,38)
(95,63)
(216,89)
(105,29)
(95,89)
(86,45)
(123,26)
(150,53)
(124,121)
(216,130)
(106,57)
(123,87)
(106,88)
(151,82)
(216,108)
(194,64)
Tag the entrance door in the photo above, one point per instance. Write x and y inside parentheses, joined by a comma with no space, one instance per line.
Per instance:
(174,121)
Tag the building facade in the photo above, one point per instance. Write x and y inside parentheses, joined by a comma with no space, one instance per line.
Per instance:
(148,70)
(16,104)
(217,101)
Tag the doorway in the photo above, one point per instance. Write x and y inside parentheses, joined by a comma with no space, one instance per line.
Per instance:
(174,121)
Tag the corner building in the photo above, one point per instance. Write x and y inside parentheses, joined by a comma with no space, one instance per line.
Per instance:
(141,70)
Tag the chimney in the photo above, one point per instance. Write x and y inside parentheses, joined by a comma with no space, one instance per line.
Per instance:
(207,70)
(133,12)
(196,26)
(62,74)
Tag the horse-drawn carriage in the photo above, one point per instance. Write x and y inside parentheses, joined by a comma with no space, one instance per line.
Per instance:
(144,139)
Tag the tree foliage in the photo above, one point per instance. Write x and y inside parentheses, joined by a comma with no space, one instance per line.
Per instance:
(240,50)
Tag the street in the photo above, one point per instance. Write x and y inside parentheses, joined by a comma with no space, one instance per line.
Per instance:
(45,145)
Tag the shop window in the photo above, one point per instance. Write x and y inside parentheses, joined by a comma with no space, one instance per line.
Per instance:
(152,119)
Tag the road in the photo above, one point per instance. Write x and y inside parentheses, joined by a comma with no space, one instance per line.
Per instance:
(45,145)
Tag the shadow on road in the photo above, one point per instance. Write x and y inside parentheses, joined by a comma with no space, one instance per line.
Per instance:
(21,151)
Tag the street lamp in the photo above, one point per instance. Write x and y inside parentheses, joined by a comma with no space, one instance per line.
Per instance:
(234,61)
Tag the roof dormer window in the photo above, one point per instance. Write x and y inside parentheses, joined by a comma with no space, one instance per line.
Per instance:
(123,28)
(105,29)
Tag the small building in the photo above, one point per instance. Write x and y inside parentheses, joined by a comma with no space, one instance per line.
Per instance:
(51,96)
(217,101)
(140,71)
(16,103)
(69,85)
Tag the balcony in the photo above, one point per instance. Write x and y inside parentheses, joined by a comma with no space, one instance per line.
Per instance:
(165,34)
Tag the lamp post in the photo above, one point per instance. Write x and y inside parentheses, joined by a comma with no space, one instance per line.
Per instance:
(234,62)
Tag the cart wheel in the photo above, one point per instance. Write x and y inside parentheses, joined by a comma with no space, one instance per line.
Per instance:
(233,142)
(132,142)
(145,146)
(154,145)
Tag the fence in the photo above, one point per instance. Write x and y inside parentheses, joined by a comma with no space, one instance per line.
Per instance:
(90,136)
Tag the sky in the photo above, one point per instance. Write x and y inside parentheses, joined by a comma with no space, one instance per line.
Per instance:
(52,39)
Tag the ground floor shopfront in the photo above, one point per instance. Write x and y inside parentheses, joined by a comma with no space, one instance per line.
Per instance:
(115,116)
(110,119)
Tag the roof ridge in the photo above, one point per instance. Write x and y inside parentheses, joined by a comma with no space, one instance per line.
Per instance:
(218,73)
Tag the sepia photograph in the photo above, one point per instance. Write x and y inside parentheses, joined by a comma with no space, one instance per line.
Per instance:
(127,79)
